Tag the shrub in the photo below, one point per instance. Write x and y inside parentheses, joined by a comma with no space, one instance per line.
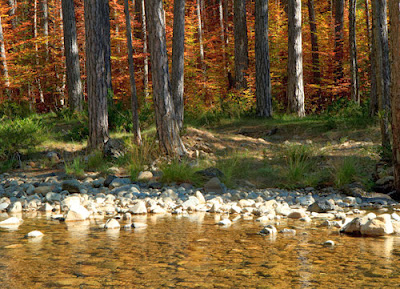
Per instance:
(75,168)
(20,134)
(344,171)
(179,171)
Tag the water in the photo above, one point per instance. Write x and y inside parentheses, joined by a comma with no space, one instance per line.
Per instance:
(192,252)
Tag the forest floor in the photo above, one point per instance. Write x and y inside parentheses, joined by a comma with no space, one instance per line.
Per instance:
(281,152)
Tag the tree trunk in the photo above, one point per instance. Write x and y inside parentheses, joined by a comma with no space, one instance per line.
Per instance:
(263,78)
(222,35)
(45,11)
(355,93)
(394,8)
(200,32)
(339,11)
(314,43)
(11,13)
(97,35)
(241,49)
(167,128)
(295,60)
(35,35)
(145,51)
(373,104)
(74,83)
(382,70)
(178,60)
(3,56)
(134,101)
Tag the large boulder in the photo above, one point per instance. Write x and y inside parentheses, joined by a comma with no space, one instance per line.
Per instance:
(77,213)
(114,148)
(214,185)
(13,221)
(380,226)
(139,208)
(72,186)
(321,206)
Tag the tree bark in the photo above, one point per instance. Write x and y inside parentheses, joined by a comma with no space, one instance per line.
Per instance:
(35,35)
(134,102)
(394,8)
(241,43)
(45,11)
(355,93)
(200,32)
(12,11)
(4,69)
(339,11)
(314,43)
(222,35)
(263,78)
(74,83)
(97,35)
(145,51)
(295,60)
(379,11)
(167,128)
(178,60)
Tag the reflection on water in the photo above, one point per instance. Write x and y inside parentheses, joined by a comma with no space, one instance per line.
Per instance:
(191,251)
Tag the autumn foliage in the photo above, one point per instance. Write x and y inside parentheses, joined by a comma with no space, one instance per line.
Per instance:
(36,65)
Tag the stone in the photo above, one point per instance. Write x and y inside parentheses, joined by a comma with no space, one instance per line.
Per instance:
(47,207)
(396,227)
(13,221)
(225,222)
(77,213)
(214,185)
(328,243)
(138,225)
(297,214)
(53,157)
(119,182)
(4,206)
(305,200)
(71,201)
(41,190)
(114,148)
(288,231)
(394,216)
(192,202)
(108,180)
(321,206)
(210,173)
(138,208)
(112,224)
(268,230)
(377,227)
(15,207)
(34,234)
(200,197)
(144,176)
(72,186)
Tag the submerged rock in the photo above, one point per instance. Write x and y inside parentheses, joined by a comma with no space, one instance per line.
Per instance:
(77,213)
(34,234)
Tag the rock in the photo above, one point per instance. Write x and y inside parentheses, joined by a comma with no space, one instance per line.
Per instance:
(34,234)
(127,217)
(72,186)
(71,201)
(225,222)
(200,197)
(379,226)
(53,157)
(41,190)
(119,182)
(210,173)
(288,231)
(112,224)
(138,208)
(4,206)
(77,213)
(396,227)
(13,221)
(15,207)
(108,180)
(385,180)
(98,183)
(298,214)
(328,243)
(192,202)
(138,225)
(306,200)
(214,185)
(268,230)
(169,193)
(321,206)
(144,176)
(395,217)
(47,207)
(114,148)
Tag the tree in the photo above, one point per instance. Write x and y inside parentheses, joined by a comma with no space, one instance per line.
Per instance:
(295,60)
(167,128)
(394,8)
(241,49)
(178,60)
(45,23)
(355,94)
(3,56)
(134,101)
(314,42)
(74,83)
(263,78)
(98,69)
(339,11)
(381,46)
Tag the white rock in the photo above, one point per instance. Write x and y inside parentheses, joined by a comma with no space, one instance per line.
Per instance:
(380,226)
(138,208)
(269,230)
(71,201)
(34,234)
(77,213)
(138,225)
(216,208)
(288,231)
(200,197)
(15,207)
(395,217)
(47,207)
(328,243)
(235,209)
(224,222)
(298,214)
(13,221)
(112,224)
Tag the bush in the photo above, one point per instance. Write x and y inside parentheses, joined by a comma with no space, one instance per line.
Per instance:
(20,134)
(179,172)
(12,110)
(344,171)
(75,168)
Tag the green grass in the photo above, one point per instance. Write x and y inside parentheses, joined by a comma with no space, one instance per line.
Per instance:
(75,168)
(180,171)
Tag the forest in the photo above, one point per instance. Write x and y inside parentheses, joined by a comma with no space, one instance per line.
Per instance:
(130,64)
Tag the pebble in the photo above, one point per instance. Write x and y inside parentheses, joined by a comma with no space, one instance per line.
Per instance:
(34,234)
(328,243)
